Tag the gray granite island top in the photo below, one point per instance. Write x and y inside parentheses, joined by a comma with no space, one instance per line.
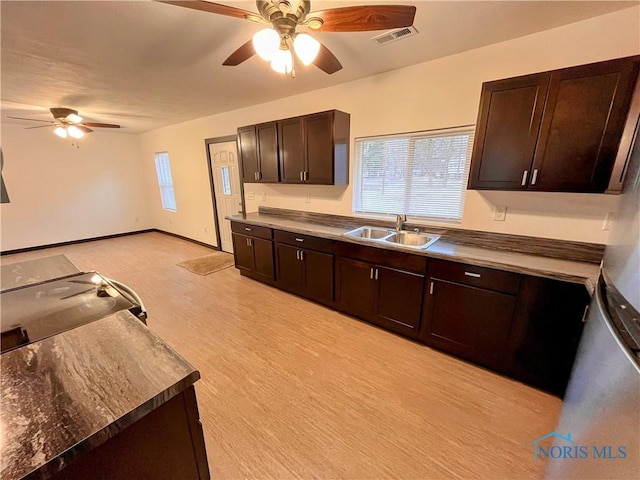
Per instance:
(15,275)
(67,394)
(554,268)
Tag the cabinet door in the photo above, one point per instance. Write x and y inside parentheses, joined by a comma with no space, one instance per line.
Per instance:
(355,287)
(399,300)
(546,332)
(469,322)
(291,150)
(267,142)
(248,153)
(318,276)
(506,133)
(243,253)
(263,255)
(585,111)
(319,143)
(290,268)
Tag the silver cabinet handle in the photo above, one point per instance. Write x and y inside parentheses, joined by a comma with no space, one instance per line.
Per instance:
(301,177)
(247,229)
(305,177)
(255,176)
(534,177)
(371,274)
(299,239)
(251,242)
(297,254)
(301,254)
(471,274)
(377,272)
(259,175)
(431,289)
(584,315)
(524,177)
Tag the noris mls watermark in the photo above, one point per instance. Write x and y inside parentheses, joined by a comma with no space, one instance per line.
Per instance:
(566,447)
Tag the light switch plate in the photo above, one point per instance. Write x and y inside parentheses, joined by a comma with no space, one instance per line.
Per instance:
(499,213)
(251,196)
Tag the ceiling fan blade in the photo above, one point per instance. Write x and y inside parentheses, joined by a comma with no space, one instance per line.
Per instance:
(98,125)
(327,61)
(62,112)
(84,129)
(245,52)
(365,18)
(37,126)
(215,8)
(31,119)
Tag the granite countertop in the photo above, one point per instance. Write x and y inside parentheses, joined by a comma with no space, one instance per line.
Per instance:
(566,270)
(15,275)
(67,394)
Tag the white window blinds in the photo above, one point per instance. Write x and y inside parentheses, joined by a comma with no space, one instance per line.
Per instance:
(165,182)
(420,174)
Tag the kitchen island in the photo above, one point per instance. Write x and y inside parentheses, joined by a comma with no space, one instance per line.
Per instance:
(108,399)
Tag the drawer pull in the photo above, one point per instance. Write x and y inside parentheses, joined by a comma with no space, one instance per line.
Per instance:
(299,239)
(247,229)
(471,274)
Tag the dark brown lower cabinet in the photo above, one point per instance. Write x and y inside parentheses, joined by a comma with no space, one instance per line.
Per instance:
(546,332)
(254,256)
(385,296)
(305,272)
(166,443)
(470,322)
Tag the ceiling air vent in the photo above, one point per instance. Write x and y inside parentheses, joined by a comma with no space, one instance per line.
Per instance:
(395,35)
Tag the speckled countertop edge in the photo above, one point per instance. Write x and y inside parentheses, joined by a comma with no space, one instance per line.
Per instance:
(78,399)
(557,269)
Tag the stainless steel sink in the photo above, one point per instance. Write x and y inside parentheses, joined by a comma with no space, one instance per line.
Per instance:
(411,239)
(370,233)
(414,240)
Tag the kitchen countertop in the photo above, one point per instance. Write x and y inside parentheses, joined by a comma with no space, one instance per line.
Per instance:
(558,269)
(67,394)
(20,274)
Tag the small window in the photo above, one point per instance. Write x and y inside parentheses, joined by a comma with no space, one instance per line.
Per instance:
(421,174)
(226,182)
(165,182)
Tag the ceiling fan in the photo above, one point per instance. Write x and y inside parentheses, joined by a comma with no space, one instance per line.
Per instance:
(68,123)
(277,43)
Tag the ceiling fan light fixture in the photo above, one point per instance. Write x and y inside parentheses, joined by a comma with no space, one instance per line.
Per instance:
(282,61)
(74,118)
(266,43)
(306,48)
(74,132)
(61,132)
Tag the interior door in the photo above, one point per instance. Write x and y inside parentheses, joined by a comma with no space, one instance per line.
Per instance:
(226,184)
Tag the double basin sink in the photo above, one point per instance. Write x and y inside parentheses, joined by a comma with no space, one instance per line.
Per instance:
(400,238)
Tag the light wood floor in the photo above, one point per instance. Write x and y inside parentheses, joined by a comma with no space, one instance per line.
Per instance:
(291,389)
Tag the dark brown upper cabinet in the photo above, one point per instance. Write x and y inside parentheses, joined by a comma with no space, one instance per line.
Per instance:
(258,147)
(555,131)
(310,149)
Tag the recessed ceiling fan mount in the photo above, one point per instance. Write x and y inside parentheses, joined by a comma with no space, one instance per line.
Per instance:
(67,123)
(278,43)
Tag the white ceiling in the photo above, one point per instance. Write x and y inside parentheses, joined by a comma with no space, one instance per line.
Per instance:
(145,65)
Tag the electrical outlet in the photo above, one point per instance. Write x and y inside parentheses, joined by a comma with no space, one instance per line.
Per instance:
(499,213)
(251,196)
(308,199)
(608,221)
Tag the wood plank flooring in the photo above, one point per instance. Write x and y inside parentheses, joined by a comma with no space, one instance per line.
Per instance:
(291,389)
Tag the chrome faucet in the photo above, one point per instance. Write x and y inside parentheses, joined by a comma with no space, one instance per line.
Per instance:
(400,219)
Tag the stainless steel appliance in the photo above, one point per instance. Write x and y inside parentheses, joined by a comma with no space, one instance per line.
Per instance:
(33,312)
(598,435)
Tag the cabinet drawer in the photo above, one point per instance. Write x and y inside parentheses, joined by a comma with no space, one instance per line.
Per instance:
(303,241)
(489,278)
(382,257)
(251,230)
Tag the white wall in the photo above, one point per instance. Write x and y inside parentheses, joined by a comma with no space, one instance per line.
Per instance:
(436,94)
(61,193)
